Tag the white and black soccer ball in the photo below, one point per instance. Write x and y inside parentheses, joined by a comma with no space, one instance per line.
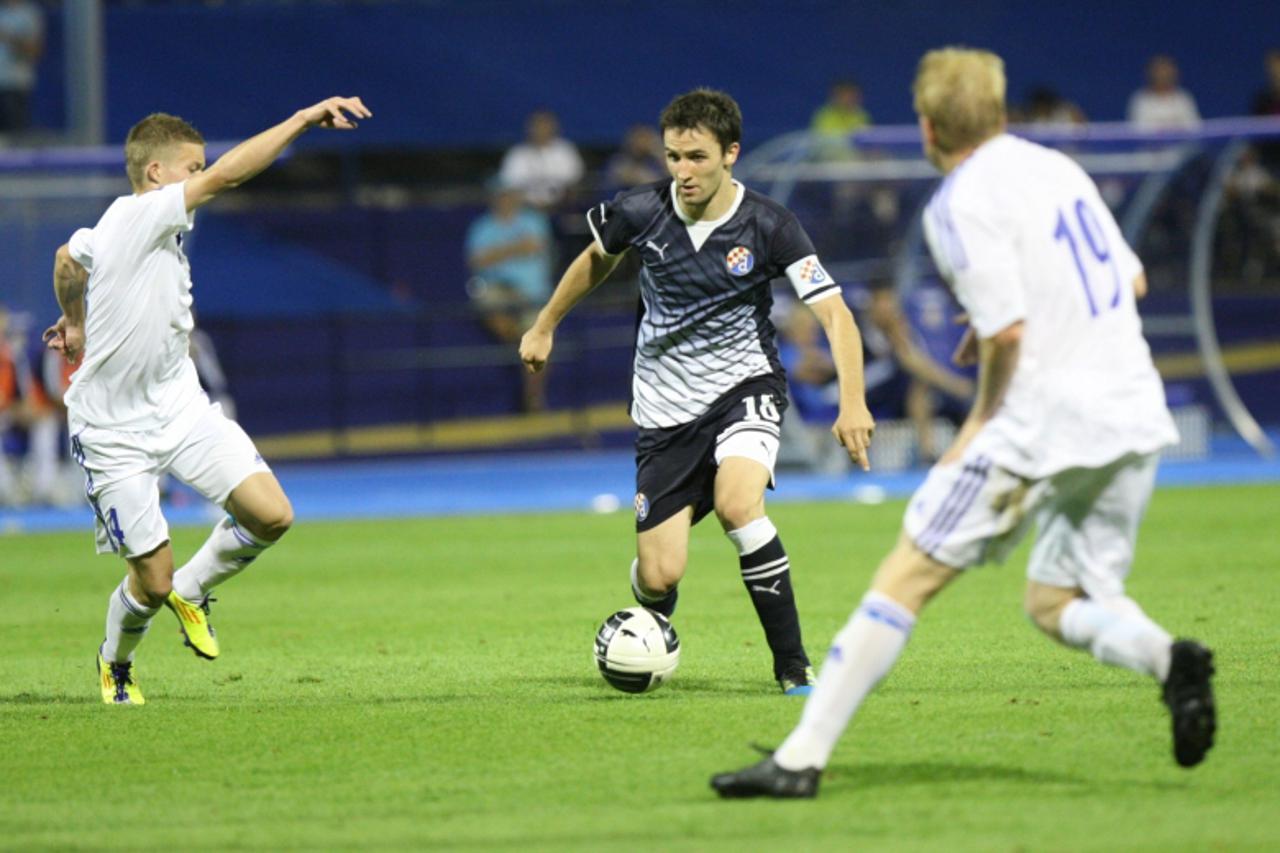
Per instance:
(637,650)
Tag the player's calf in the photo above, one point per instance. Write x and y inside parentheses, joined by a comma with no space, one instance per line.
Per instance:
(663,602)
(1044,604)
(766,574)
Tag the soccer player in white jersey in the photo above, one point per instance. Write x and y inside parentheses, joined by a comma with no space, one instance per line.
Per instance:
(708,391)
(135,407)
(1065,431)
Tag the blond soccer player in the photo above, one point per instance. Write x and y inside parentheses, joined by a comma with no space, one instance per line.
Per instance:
(1065,432)
(135,407)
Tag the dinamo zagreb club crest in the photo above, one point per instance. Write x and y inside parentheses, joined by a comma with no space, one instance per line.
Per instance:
(739,261)
(642,506)
(812,272)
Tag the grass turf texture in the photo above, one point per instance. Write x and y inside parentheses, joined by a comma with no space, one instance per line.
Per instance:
(429,683)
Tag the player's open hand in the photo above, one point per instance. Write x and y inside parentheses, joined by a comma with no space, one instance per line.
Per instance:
(336,113)
(535,348)
(66,339)
(853,429)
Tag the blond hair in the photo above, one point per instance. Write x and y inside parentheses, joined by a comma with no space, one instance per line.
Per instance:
(961,92)
(148,138)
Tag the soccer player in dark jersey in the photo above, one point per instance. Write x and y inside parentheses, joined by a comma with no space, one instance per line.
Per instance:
(708,390)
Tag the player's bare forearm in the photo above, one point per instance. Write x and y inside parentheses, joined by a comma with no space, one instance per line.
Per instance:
(854,424)
(583,275)
(587,270)
(997,361)
(258,152)
(846,349)
(69,280)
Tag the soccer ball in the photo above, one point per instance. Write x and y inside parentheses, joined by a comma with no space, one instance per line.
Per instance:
(637,650)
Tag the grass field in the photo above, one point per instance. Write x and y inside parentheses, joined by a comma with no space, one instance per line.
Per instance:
(429,683)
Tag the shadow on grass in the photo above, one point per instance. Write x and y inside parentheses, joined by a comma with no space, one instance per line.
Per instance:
(46,699)
(683,686)
(849,777)
(845,776)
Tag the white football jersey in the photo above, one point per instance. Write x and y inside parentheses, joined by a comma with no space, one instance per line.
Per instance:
(137,373)
(1021,233)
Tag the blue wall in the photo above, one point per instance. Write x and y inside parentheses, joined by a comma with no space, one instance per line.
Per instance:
(465,73)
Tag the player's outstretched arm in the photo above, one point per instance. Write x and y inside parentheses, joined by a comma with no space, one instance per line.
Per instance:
(69,279)
(854,424)
(587,270)
(257,153)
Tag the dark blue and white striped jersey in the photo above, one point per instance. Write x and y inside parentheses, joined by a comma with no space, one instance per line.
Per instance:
(706,294)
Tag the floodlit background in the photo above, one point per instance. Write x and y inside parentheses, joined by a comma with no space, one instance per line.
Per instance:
(350,304)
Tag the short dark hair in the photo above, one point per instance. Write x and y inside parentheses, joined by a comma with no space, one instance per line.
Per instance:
(710,109)
(148,137)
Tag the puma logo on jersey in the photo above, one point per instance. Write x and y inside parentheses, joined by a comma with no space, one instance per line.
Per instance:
(773,588)
(661,250)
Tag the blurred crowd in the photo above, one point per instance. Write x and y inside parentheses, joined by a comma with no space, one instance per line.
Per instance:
(533,225)
(35,468)
(516,248)
(33,464)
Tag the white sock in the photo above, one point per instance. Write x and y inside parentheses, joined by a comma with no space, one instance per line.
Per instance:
(753,536)
(1117,632)
(863,653)
(127,623)
(225,554)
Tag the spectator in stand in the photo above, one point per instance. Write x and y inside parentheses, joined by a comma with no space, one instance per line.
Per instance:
(1267,101)
(29,422)
(1047,109)
(9,405)
(21,44)
(1162,104)
(902,378)
(509,255)
(640,160)
(840,117)
(546,166)
(55,480)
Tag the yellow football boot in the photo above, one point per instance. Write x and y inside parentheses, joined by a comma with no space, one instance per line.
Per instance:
(118,686)
(193,621)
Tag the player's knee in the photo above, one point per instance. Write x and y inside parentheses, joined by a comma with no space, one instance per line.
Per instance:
(736,512)
(155,591)
(273,521)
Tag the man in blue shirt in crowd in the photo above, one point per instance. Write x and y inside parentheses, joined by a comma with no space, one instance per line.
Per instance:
(509,255)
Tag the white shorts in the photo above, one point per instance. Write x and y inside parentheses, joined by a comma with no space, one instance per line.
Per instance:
(122,474)
(972,512)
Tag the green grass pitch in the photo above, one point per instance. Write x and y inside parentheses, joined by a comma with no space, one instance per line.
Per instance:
(429,684)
